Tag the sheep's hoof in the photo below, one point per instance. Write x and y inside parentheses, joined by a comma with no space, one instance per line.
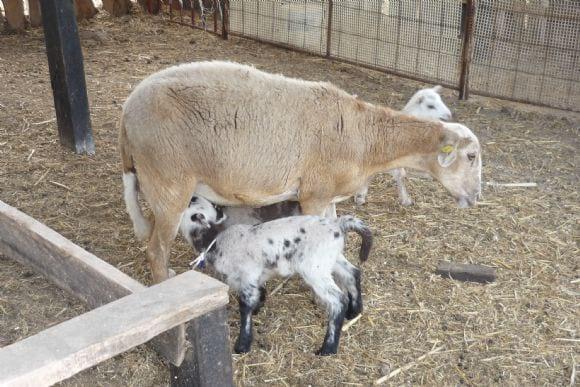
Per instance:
(359,200)
(406,202)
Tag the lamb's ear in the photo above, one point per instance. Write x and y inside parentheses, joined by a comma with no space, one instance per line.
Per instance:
(447,155)
(437,88)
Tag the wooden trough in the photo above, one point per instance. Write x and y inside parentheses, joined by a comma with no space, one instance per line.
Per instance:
(125,314)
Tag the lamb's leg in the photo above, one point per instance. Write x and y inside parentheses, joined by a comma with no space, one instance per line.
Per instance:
(336,305)
(249,300)
(262,300)
(399,176)
(360,197)
(348,277)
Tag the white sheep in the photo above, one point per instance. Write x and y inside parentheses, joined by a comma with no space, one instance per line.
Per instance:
(425,104)
(242,137)
(247,256)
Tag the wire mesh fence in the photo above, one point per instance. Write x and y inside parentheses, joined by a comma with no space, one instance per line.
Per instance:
(524,50)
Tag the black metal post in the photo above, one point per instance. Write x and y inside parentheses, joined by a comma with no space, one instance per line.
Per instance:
(67,76)
(208,362)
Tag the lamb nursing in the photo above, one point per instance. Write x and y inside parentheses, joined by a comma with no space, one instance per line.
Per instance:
(243,137)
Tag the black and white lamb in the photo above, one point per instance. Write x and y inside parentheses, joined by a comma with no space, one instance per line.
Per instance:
(310,246)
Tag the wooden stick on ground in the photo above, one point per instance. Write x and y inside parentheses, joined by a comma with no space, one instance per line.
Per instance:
(466,272)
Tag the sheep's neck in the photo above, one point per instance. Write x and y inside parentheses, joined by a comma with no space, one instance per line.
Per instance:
(394,140)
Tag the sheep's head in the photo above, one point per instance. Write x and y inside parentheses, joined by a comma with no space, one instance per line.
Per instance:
(458,164)
(427,104)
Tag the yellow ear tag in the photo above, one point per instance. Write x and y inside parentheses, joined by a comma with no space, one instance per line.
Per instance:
(447,149)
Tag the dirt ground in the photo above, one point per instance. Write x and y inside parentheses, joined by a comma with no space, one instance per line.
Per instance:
(522,329)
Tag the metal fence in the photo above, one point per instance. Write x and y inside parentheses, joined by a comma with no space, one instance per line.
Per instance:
(525,50)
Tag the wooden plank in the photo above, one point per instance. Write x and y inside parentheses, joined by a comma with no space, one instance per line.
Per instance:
(78,272)
(34,12)
(14,13)
(208,362)
(74,345)
(466,272)
(67,77)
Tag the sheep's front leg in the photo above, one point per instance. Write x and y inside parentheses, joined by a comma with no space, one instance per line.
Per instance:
(399,176)
(249,300)
(360,197)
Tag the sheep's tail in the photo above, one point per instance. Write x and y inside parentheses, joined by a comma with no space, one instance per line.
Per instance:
(350,223)
(141,225)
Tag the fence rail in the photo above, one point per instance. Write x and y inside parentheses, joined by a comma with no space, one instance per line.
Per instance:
(523,50)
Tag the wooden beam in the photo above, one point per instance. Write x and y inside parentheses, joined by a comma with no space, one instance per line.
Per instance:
(65,62)
(75,270)
(74,345)
(466,272)
(14,12)
(208,362)
(34,13)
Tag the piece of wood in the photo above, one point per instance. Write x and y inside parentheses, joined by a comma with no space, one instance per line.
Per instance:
(84,341)
(208,362)
(34,13)
(65,62)
(85,9)
(75,270)
(512,185)
(466,272)
(14,13)
(117,7)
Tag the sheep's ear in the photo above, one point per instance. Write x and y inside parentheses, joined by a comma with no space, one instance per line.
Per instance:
(447,155)
(438,88)
(222,219)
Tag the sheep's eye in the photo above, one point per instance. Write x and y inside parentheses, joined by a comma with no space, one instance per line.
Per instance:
(471,156)
(431,106)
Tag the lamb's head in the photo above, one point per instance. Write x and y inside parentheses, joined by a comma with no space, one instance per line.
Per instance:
(200,222)
(458,164)
(427,104)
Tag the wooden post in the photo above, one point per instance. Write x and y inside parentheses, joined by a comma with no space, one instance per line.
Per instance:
(329,29)
(14,13)
(208,362)
(468,16)
(225,4)
(34,13)
(65,62)
(466,272)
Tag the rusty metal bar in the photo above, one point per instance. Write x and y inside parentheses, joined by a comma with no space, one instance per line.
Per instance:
(467,35)
(329,30)
(215,15)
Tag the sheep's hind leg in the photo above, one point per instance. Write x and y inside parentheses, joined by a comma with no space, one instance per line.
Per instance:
(336,305)
(167,213)
(348,276)
(399,176)
(249,301)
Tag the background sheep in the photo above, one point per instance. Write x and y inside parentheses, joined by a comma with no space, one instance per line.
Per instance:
(217,128)
(425,104)
(247,256)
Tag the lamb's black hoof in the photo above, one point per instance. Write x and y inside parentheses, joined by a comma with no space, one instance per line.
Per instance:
(242,347)
(353,312)
(326,351)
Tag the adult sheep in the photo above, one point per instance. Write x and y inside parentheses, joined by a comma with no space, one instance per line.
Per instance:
(242,137)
